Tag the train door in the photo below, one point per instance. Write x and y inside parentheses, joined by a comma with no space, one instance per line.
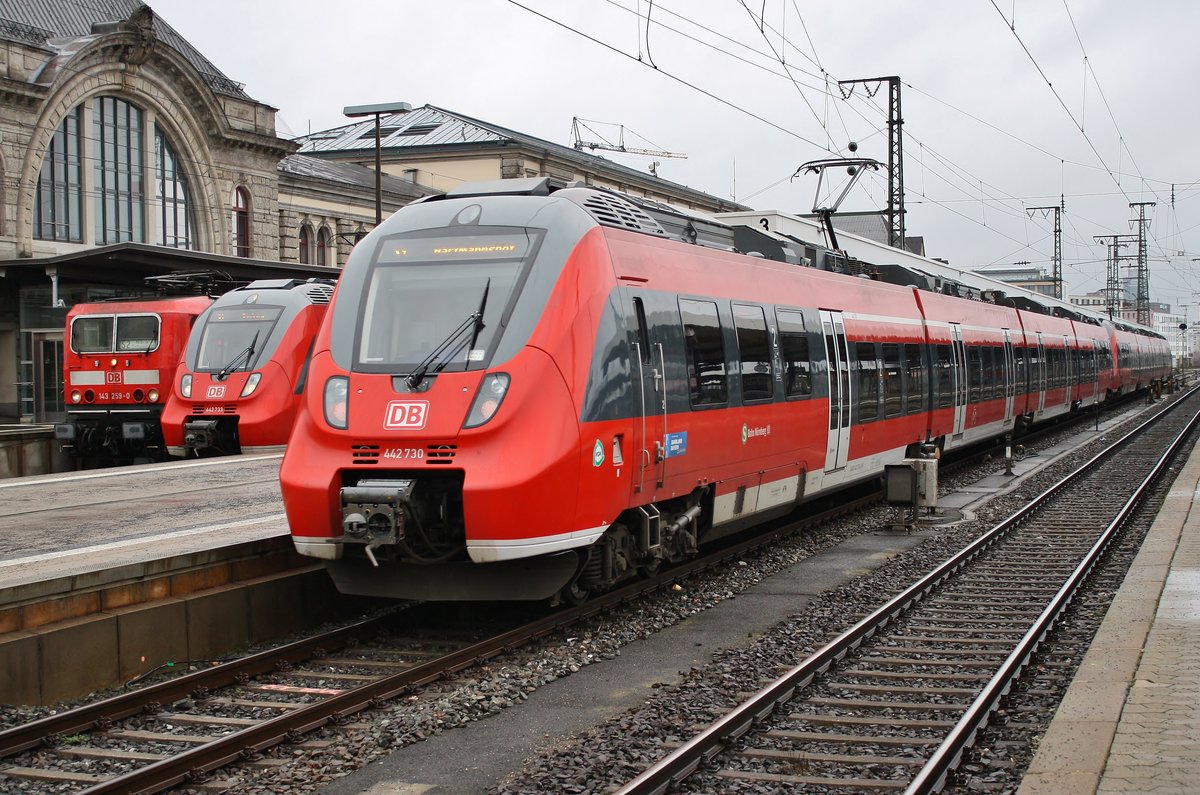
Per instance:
(836,353)
(650,387)
(1041,374)
(1010,375)
(960,378)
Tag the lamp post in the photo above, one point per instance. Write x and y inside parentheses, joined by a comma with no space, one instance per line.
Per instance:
(356,111)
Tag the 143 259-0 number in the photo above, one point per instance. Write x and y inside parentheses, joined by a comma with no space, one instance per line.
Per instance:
(404,452)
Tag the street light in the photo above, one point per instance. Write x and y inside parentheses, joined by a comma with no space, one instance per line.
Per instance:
(356,111)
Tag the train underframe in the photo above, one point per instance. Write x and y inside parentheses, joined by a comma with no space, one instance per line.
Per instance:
(104,439)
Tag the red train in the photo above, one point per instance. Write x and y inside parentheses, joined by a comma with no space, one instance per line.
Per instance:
(238,386)
(118,359)
(522,394)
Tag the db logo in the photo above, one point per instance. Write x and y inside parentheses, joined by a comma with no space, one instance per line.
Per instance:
(113,378)
(406,414)
(216,391)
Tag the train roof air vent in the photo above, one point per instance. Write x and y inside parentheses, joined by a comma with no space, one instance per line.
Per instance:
(320,293)
(612,210)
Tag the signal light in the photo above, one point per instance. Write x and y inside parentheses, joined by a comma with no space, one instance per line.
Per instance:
(76,396)
(152,395)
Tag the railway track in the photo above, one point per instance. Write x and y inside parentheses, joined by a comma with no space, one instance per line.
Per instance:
(180,731)
(892,704)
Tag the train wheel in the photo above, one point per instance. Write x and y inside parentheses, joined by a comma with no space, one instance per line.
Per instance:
(574,592)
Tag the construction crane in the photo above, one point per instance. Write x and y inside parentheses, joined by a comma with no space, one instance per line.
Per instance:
(620,146)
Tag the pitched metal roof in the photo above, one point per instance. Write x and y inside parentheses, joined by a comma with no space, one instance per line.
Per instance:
(431,127)
(52,23)
(352,174)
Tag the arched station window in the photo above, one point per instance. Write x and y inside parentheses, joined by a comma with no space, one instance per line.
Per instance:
(116,205)
(241,223)
(324,247)
(306,242)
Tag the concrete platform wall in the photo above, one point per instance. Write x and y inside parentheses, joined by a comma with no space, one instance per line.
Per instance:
(72,658)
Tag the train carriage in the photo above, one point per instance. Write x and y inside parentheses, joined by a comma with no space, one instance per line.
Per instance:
(238,385)
(117,364)
(521,394)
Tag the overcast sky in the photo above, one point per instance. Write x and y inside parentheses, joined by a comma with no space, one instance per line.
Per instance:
(1007,105)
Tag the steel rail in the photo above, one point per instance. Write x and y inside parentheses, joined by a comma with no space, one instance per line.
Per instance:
(200,759)
(932,777)
(89,716)
(100,714)
(684,760)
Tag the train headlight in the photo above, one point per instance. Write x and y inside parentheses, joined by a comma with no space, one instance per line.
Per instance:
(185,385)
(488,399)
(337,398)
(152,395)
(76,396)
(251,384)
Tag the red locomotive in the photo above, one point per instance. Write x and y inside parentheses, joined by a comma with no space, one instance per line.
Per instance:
(520,393)
(239,384)
(118,359)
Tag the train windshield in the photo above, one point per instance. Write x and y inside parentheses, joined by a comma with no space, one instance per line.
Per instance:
(235,338)
(114,333)
(439,301)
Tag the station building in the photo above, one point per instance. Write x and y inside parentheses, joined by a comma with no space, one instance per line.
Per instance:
(126,153)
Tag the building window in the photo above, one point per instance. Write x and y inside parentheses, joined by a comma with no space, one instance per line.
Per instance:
(305,244)
(241,223)
(119,208)
(118,171)
(56,208)
(171,193)
(323,247)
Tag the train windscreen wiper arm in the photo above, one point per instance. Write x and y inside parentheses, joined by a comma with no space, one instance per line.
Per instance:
(246,353)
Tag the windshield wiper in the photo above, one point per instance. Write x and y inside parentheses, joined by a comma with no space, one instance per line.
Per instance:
(474,321)
(247,354)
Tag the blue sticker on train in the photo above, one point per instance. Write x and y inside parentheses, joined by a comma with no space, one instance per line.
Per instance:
(676,444)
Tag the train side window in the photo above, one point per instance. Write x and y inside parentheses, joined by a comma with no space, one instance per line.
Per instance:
(893,383)
(754,352)
(868,381)
(793,346)
(707,376)
(944,375)
(974,374)
(643,330)
(915,397)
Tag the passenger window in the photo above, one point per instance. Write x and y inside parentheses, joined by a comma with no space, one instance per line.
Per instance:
(793,344)
(893,383)
(868,381)
(754,351)
(974,374)
(915,396)
(705,348)
(945,376)
(643,331)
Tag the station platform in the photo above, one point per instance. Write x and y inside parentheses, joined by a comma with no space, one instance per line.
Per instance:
(1130,721)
